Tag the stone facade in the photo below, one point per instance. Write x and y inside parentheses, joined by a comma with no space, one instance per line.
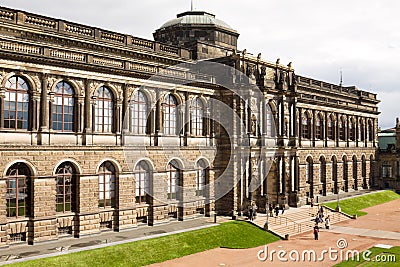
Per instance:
(72,167)
(388,165)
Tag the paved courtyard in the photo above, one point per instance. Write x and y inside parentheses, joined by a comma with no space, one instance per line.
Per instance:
(380,226)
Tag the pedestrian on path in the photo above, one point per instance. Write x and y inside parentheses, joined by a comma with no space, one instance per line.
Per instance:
(254,209)
(277,210)
(327,222)
(251,211)
(271,211)
(312,202)
(316,232)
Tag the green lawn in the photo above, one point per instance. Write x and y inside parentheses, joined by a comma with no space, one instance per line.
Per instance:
(353,206)
(379,257)
(235,234)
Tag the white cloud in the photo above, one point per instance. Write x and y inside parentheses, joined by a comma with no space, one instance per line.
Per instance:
(319,37)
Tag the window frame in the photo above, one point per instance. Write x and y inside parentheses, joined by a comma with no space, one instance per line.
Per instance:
(15,174)
(65,98)
(68,190)
(107,170)
(197,117)
(21,104)
(170,127)
(142,183)
(104,110)
(140,113)
(174,176)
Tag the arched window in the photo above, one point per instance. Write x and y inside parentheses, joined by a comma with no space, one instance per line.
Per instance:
(63,108)
(269,125)
(139,113)
(142,179)
(370,131)
(362,130)
(334,174)
(352,130)
(331,128)
(306,127)
(201,177)
(342,129)
(322,170)
(345,174)
(319,127)
(355,173)
(170,115)
(66,188)
(104,110)
(18,191)
(363,167)
(197,117)
(173,180)
(309,170)
(16,103)
(107,185)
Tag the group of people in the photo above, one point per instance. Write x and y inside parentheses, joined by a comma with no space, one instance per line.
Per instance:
(253,208)
(319,219)
(275,210)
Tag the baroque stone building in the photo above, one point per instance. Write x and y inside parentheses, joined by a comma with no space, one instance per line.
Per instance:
(89,143)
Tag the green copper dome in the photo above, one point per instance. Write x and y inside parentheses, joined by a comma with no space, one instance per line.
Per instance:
(197,18)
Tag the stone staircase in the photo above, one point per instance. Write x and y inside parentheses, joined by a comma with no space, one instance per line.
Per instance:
(297,220)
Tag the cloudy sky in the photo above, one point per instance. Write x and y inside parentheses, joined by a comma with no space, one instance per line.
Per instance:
(359,37)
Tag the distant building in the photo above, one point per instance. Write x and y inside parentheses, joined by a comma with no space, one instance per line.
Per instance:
(389,158)
(72,104)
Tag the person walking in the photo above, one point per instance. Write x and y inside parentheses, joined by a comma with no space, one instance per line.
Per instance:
(254,209)
(327,222)
(271,211)
(251,212)
(312,202)
(276,210)
(316,232)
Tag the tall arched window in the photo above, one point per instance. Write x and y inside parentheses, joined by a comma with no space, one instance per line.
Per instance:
(306,127)
(322,170)
(173,180)
(370,131)
(197,117)
(18,191)
(142,179)
(270,122)
(63,108)
(16,103)
(363,167)
(104,110)
(310,175)
(66,188)
(362,130)
(107,185)
(331,128)
(319,127)
(139,113)
(342,129)
(334,174)
(201,177)
(352,130)
(345,174)
(355,173)
(170,115)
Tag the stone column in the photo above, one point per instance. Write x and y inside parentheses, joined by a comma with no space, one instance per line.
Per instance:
(126,211)
(44,107)
(87,219)
(125,109)
(159,212)
(3,215)
(88,108)
(44,213)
